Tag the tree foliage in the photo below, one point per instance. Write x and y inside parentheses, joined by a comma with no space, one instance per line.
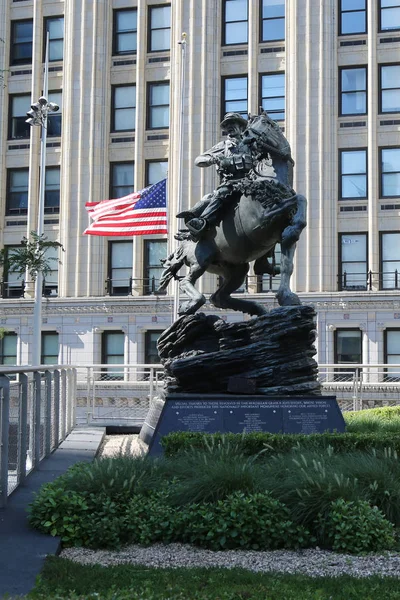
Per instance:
(31,256)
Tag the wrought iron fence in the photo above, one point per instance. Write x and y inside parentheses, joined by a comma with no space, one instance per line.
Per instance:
(367,281)
(37,411)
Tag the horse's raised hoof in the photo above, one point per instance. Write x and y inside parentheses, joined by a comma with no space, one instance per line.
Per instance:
(287,298)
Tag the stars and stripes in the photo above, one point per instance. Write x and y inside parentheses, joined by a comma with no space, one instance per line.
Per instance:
(139,213)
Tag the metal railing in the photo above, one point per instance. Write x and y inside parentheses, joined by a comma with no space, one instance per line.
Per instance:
(360,386)
(12,289)
(108,394)
(368,281)
(37,412)
(125,287)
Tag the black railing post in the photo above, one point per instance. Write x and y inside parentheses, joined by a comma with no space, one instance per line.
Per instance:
(369,280)
(108,286)
(153,285)
(2,288)
(130,285)
(344,280)
(396,278)
(23,288)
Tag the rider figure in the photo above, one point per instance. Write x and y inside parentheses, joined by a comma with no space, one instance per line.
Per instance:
(234,161)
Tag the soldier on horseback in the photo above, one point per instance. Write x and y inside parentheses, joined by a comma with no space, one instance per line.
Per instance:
(234,161)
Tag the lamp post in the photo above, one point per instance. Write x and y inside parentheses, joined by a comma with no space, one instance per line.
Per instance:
(37,116)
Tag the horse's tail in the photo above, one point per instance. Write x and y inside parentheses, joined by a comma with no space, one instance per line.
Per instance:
(172,264)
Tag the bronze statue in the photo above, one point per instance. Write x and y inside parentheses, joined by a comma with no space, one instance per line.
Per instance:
(252,210)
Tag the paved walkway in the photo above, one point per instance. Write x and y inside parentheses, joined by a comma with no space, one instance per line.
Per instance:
(22,549)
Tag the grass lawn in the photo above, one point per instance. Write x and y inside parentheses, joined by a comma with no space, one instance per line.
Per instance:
(64,579)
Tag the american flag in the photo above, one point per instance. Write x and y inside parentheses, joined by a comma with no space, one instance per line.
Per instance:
(140,213)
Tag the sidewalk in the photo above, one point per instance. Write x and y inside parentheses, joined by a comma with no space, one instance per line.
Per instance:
(22,549)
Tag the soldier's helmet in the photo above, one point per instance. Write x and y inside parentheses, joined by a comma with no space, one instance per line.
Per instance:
(231,118)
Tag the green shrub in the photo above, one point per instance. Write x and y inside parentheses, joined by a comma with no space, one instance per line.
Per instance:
(151,519)
(356,527)
(266,444)
(117,477)
(213,473)
(60,512)
(307,482)
(257,522)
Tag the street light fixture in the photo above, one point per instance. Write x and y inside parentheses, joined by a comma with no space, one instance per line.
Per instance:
(38,116)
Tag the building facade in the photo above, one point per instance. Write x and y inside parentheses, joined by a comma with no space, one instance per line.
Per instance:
(328,72)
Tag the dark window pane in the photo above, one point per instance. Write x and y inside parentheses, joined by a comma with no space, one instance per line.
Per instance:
(122,179)
(158,117)
(19,106)
(390,172)
(354,174)
(273,20)
(55,27)
(151,353)
(52,190)
(353,22)
(21,42)
(156,171)
(121,258)
(17,193)
(160,28)
(125,41)
(49,348)
(155,252)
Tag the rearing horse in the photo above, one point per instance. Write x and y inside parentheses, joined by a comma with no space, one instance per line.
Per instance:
(267,212)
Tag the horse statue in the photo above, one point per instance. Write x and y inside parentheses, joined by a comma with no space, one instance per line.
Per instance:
(264,210)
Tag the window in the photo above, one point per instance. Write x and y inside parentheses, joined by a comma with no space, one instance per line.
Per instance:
(160,28)
(235,30)
(50,281)
(125,31)
(353,94)
(122,179)
(353,261)
(154,252)
(235,95)
(150,347)
(390,172)
(54,119)
(389,89)
(156,170)
(389,15)
(17,191)
(392,352)
(273,95)
(49,355)
(348,349)
(268,283)
(158,105)
(353,17)
(124,108)
(390,261)
(19,105)
(55,27)
(52,190)
(13,284)
(112,347)
(21,42)
(8,349)
(273,20)
(120,260)
(353,174)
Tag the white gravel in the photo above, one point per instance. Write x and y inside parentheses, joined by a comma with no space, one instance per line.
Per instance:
(314,563)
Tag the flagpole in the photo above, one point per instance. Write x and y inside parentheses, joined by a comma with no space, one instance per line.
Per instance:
(37,307)
(182,44)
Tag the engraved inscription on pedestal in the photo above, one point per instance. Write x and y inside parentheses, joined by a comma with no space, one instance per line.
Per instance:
(238,414)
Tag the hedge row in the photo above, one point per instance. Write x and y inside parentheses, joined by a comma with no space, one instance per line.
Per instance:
(252,444)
